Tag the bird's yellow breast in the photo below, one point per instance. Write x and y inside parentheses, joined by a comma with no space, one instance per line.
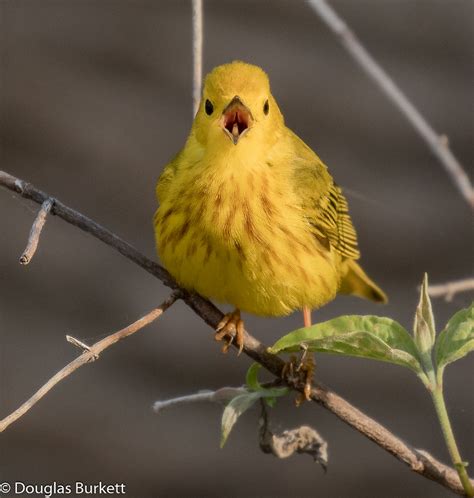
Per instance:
(235,232)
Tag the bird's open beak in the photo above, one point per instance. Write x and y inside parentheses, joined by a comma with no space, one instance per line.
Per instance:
(236,119)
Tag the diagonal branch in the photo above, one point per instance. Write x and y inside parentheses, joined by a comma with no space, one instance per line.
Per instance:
(89,354)
(437,143)
(418,461)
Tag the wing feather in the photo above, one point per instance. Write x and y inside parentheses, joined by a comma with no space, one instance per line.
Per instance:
(332,218)
(323,202)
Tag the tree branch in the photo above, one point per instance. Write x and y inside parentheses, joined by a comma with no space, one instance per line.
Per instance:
(35,232)
(450,289)
(416,460)
(89,354)
(437,143)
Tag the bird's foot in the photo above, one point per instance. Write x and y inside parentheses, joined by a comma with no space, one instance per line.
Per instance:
(301,369)
(233,327)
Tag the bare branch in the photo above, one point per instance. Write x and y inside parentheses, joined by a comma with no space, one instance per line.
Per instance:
(437,143)
(432,469)
(197,53)
(89,354)
(35,232)
(450,289)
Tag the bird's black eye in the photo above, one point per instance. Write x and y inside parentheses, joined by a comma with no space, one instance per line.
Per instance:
(209,107)
(266,107)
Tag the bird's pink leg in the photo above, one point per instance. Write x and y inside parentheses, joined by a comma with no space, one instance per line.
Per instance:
(307,316)
(307,362)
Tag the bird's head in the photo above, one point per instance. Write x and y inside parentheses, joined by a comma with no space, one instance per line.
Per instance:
(237,108)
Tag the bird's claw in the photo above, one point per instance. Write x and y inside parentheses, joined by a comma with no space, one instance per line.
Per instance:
(231,326)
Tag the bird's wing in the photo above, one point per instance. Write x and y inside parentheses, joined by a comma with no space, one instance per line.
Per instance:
(323,203)
(333,219)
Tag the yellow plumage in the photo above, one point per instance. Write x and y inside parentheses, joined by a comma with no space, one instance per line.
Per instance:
(248,214)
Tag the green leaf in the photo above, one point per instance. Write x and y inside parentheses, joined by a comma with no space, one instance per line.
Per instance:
(251,378)
(233,411)
(242,403)
(369,336)
(424,326)
(457,338)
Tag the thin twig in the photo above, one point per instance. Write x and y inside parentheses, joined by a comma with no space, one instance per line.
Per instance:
(79,344)
(450,289)
(222,395)
(197,53)
(430,468)
(75,218)
(437,143)
(35,232)
(89,354)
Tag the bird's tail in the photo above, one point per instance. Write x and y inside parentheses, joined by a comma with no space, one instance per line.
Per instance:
(355,281)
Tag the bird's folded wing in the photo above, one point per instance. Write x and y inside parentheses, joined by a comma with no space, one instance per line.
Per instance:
(323,202)
(332,218)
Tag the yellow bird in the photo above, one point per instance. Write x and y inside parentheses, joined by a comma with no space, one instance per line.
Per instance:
(248,213)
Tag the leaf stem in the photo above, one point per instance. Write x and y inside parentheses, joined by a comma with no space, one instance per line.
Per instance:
(438,400)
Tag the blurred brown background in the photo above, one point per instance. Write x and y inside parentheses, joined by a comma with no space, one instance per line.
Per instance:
(95,99)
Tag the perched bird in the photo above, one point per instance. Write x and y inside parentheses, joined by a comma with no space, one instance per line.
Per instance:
(249,215)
